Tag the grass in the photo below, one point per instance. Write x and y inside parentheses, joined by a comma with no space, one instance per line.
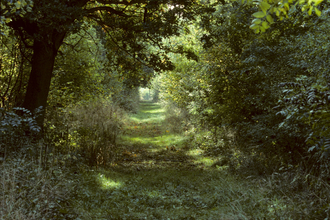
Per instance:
(167,194)
(27,191)
(158,176)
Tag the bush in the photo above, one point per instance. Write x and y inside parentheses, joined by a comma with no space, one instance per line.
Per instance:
(95,127)
(16,129)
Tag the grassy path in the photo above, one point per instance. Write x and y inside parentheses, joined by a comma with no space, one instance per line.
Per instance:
(157,176)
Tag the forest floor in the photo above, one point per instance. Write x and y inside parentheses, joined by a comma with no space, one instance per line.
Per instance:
(158,176)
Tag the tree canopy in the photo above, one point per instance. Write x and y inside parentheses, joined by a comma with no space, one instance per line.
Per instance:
(131,28)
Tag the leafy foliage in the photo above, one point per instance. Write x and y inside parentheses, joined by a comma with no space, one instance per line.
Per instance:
(281,9)
(15,128)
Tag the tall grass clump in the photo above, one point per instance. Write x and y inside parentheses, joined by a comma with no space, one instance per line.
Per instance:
(128,99)
(30,192)
(95,127)
(176,119)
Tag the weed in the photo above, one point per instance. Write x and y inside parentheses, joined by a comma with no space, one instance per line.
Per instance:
(95,127)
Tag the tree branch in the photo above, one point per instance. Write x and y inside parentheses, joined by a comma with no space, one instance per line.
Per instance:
(125,2)
(108,9)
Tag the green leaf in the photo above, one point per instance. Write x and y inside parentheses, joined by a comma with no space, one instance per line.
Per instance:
(18,4)
(318,12)
(256,21)
(265,25)
(254,26)
(310,10)
(259,14)
(277,13)
(317,2)
(264,6)
(270,19)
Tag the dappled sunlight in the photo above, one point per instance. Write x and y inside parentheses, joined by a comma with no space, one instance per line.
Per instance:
(151,118)
(168,193)
(155,149)
(149,113)
(108,183)
(138,140)
(159,141)
(195,152)
(199,158)
(154,111)
(148,162)
(206,161)
(157,176)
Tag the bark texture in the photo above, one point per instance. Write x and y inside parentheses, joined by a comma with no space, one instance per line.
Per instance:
(44,53)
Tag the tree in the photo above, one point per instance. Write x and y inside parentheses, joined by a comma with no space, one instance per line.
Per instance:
(132,25)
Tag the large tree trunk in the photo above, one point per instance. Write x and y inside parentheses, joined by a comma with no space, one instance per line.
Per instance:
(44,53)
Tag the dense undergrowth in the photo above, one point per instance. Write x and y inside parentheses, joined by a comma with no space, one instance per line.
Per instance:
(291,191)
(39,175)
(155,172)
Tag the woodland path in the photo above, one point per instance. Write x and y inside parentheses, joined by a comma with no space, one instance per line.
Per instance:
(158,176)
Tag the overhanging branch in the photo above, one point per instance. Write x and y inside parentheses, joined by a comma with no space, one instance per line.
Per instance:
(108,9)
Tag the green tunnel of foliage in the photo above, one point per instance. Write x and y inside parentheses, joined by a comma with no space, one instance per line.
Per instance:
(271,91)
(259,101)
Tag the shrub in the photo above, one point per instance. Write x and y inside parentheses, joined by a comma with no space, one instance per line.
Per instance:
(95,127)
(16,129)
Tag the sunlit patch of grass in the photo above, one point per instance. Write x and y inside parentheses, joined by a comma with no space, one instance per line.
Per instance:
(151,118)
(148,113)
(155,142)
(108,183)
(195,152)
(149,162)
(207,161)
(153,111)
